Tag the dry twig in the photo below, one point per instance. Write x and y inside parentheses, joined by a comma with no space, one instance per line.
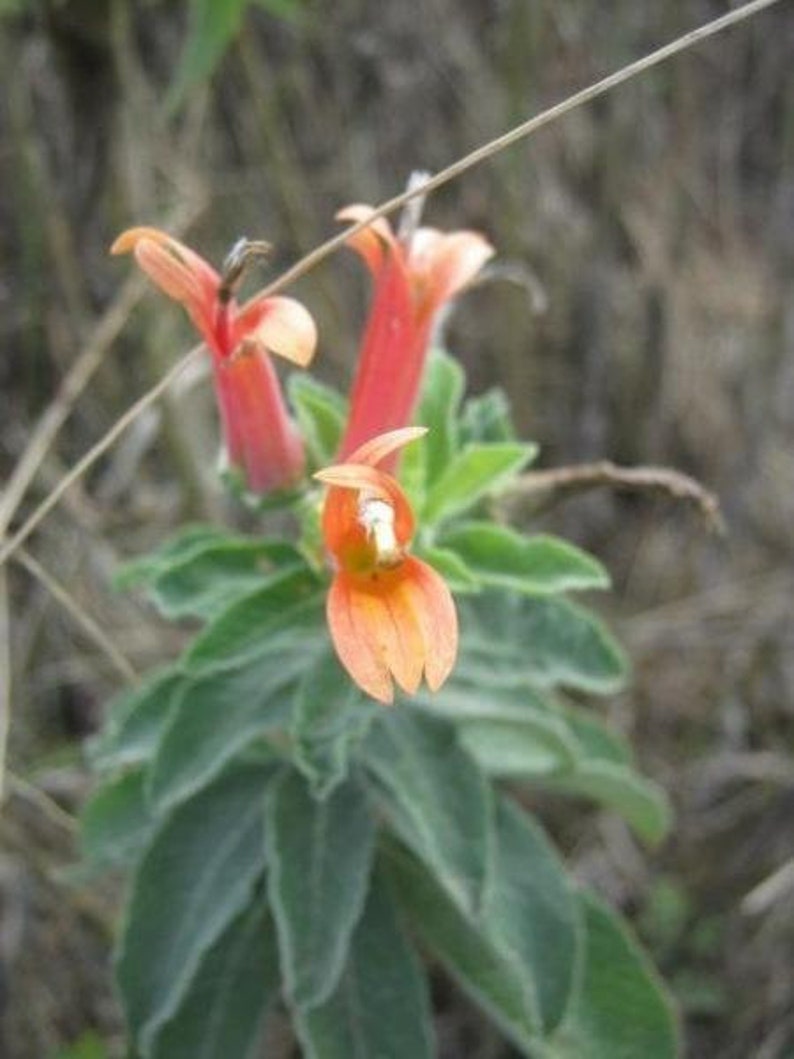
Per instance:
(539,490)
(88,624)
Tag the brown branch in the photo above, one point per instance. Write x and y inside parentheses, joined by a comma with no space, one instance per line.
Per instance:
(542,489)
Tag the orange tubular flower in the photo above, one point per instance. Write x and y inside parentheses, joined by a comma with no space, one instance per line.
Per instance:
(390,614)
(414,278)
(260,439)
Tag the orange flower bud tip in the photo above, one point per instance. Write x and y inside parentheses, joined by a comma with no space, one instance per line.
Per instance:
(130,238)
(353,476)
(375,450)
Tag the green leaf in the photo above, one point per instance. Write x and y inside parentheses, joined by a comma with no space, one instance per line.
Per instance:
(213,26)
(380,1008)
(639,801)
(219,715)
(287,9)
(477,470)
(435,797)
(190,540)
(508,731)
(508,639)
(320,854)
(413,473)
(530,747)
(115,823)
(288,606)
(532,911)
(621,1010)
(235,985)
(212,577)
(321,414)
(330,716)
(459,940)
(196,877)
(540,564)
(519,958)
(452,568)
(487,418)
(442,392)
(595,739)
(88,1045)
(136,722)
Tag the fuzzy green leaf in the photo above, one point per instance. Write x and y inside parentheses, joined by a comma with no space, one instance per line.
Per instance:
(219,715)
(287,606)
(212,577)
(595,738)
(532,912)
(321,414)
(435,797)
(330,716)
(136,722)
(508,731)
(380,1008)
(235,986)
(442,392)
(530,747)
(538,565)
(507,639)
(518,959)
(476,471)
(452,568)
(189,541)
(639,801)
(487,418)
(621,1009)
(115,823)
(320,854)
(195,878)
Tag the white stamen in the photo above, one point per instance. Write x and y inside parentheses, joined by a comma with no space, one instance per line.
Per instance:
(377,518)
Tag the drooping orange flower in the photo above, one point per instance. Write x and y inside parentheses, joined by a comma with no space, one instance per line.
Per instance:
(261,441)
(414,277)
(391,615)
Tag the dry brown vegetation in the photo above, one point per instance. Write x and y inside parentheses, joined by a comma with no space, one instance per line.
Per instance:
(647,318)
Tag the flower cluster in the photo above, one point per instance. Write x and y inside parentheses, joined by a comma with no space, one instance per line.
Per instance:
(391,616)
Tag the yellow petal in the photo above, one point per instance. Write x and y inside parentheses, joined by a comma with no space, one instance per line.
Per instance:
(287,329)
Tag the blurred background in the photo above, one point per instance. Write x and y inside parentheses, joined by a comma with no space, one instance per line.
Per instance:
(646,316)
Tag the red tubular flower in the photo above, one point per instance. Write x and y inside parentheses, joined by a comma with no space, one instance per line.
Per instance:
(413,280)
(260,439)
(390,614)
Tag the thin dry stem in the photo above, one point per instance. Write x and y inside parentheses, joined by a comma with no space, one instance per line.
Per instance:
(46,805)
(89,625)
(74,383)
(94,453)
(776,887)
(540,489)
(5,675)
(314,257)
(58,410)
